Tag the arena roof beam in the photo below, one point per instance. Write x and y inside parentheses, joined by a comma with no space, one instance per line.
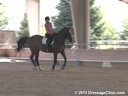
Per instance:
(125,1)
(81,21)
(33,13)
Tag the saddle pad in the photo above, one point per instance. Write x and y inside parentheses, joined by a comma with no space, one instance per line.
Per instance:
(44,40)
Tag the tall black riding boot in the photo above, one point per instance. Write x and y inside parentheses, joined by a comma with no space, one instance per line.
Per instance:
(47,45)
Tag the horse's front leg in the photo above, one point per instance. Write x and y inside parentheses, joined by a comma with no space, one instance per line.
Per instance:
(55,60)
(37,60)
(65,59)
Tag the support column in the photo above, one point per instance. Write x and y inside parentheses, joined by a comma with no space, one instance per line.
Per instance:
(33,14)
(81,21)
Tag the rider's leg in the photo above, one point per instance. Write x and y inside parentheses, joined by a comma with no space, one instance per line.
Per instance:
(49,41)
(47,44)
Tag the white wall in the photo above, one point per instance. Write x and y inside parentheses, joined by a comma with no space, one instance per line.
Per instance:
(33,12)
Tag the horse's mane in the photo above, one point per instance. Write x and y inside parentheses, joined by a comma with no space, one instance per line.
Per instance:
(62,30)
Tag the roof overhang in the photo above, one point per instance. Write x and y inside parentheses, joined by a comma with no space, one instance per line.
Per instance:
(125,1)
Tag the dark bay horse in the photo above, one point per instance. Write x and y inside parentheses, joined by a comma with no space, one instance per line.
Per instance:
(35,45)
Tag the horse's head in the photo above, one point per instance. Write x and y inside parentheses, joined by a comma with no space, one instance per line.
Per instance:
(67,34)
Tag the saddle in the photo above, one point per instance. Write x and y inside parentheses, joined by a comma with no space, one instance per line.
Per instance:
(48,46)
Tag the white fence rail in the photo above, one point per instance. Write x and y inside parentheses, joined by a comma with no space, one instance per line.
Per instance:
(102,44)
(105,44)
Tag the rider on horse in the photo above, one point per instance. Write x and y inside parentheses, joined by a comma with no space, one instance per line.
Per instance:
(49,32)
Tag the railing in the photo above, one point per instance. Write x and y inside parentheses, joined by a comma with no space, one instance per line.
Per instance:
(104,44)
(76,53)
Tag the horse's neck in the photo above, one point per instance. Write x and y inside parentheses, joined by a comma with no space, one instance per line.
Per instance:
(60,38)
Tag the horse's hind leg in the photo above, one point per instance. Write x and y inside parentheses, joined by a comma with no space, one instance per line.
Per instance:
(32,60)
(65,59)
(21,51)
(37,60)
(15,53)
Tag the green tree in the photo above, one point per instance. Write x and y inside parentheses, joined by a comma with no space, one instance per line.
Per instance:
(124,33)
(3,18)
(97,24)
(64,17)
(23,28)
(99,28)
(110,33)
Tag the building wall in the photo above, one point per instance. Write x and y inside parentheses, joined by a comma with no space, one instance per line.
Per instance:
(7,38)
(33,14)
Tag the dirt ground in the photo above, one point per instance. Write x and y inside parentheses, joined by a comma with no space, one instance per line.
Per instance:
(19,79)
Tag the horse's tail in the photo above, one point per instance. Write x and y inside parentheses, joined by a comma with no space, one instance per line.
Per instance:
(19,47)
(21,43)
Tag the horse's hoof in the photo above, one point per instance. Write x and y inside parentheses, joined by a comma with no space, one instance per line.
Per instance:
(62,68)
(34,68)
(40,69)
(52,70)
